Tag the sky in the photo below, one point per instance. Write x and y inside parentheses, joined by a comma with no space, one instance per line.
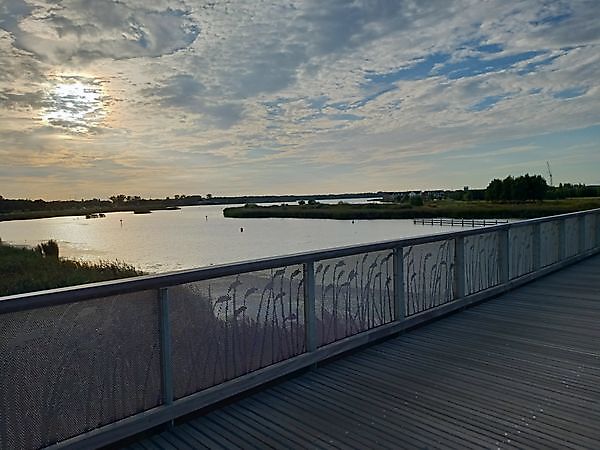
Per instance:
(164,97)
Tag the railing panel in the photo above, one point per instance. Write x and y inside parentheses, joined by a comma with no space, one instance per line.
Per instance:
(571,236)
(429,275)
(521,251)
(481,262)
(353,294)
(68,369)
(227,327)
(590,231)
(550,245)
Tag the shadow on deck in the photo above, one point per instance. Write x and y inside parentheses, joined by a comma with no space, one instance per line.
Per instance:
(521,370)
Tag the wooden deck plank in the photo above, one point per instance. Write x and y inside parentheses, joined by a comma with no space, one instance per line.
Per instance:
(395,420)
(241,431)
(459,402)
(419,409)
(270,420)
(518,400)
(518,371)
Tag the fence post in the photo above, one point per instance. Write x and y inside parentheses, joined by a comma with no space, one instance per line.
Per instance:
(562,240)
(310,318)
(537,246)
(459,267)
(581,233)
(400,311)
(503,256)
(166,361)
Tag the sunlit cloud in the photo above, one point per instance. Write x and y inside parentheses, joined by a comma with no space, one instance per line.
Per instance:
(76,104)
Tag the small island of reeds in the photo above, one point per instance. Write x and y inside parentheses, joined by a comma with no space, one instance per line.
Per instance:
(443,208)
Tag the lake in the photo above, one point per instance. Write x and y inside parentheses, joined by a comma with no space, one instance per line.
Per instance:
(197,236)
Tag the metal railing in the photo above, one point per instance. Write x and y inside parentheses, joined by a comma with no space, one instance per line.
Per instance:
(86,366)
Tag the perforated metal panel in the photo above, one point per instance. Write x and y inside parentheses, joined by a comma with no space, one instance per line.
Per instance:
(353,294)
(571,236)
(68,369)
(230,326)
(549,246)
(429,275)
(590,231)
(481,262)
(521,250)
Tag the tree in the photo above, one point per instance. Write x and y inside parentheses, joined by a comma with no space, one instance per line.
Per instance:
(522,188)
(507,192)
(494,190)
(416,200)
(118,199)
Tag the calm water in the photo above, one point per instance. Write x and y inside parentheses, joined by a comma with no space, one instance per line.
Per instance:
(198,236)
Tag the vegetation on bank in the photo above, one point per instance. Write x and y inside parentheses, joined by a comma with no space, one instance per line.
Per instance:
(21,209)
(27,270)
(441,208)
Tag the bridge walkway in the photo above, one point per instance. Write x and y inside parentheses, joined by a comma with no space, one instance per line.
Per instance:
(519,371)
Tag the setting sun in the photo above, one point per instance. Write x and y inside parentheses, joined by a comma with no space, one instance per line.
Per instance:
(75,104)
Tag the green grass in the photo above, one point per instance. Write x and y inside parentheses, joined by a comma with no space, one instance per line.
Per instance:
(26,270)
(444,208)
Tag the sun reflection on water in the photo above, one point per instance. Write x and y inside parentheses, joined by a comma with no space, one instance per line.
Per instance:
(75,103)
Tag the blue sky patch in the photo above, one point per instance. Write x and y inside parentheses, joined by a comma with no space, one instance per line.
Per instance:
(472,66)
(570,93)
(350,117)
(551,20)
(420,69)
(487,102)
(490,48)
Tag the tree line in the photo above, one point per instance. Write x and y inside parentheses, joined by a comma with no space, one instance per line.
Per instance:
(521,188)
(534,187)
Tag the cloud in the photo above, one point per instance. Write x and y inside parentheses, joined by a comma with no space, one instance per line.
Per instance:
(245,87)
(77,31)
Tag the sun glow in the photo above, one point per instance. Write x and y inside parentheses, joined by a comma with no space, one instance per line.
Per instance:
(75,103)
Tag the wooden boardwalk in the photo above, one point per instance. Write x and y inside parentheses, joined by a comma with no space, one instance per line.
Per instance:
(519,371)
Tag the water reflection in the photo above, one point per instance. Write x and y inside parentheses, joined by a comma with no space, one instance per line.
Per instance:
(199,236)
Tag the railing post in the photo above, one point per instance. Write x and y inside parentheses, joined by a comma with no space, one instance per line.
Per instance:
(310,318)
(597,230)
(166,361)
(562,240)
(581,233)
(459,267)
(537,246)
(399,296)
(503,256)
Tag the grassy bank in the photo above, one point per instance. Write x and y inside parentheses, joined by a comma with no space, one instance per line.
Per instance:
(27,270)
(445,208)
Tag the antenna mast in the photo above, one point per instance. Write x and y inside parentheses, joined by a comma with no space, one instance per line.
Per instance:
(549,173)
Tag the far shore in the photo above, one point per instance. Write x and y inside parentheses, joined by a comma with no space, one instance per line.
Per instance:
(444,208)
(144,206)
(45,214)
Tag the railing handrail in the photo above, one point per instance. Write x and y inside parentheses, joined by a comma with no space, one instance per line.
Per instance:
(71,294)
